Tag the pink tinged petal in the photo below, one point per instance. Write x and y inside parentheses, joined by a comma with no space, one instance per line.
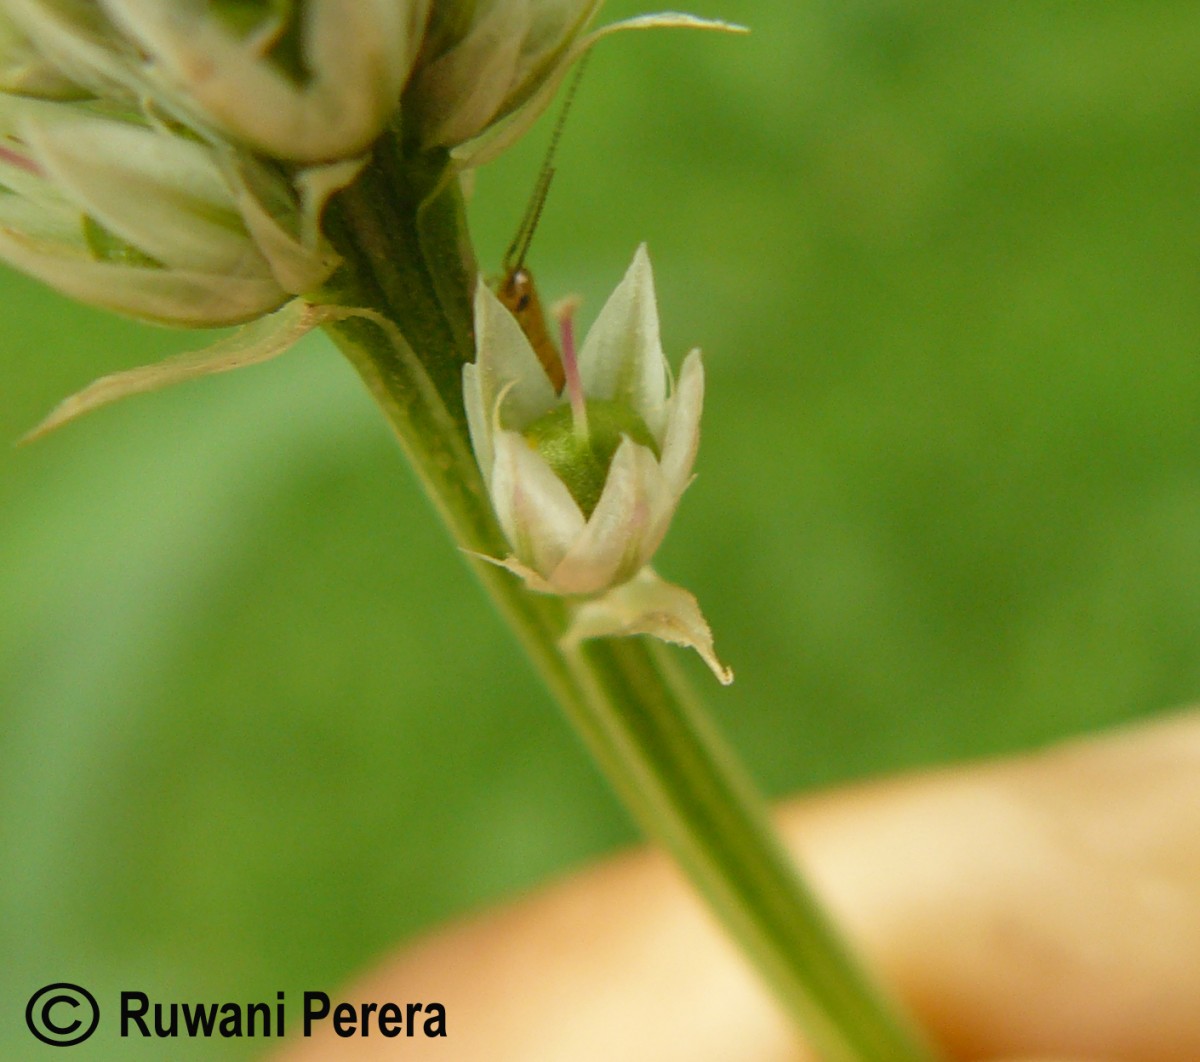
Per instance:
(505,360)
(682,438)
(648,605)
(9,157)
(536,511)
(622,357)
(613,545)
(660,522)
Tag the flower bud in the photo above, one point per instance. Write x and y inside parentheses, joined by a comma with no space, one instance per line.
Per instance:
(152,224)
(307,81)
(585,484)
(484,59)
(489,68)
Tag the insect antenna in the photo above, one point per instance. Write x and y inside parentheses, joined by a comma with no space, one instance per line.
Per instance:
(514,256)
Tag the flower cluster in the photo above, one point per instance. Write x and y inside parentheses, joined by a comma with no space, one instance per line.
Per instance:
(585,484)
(139,148)
(139,219)
(310,81)
(170,159)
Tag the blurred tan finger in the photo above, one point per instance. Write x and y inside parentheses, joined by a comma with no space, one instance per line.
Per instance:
(1044,908)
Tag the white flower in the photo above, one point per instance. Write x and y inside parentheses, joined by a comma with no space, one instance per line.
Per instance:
(585,484)
(152,224)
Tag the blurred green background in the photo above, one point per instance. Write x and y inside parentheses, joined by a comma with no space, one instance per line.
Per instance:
(259,724)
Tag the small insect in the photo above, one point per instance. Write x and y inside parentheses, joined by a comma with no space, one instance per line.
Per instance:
(518,292)
(516,289)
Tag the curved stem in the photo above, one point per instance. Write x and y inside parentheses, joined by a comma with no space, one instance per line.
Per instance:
(404,258)
(710,817)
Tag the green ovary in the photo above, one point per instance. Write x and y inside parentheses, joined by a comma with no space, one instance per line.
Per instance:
(582,463)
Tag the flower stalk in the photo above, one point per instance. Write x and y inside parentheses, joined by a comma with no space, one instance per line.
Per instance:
(403,252)
(292,165)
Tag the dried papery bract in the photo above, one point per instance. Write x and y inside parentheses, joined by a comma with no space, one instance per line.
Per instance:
(585,484)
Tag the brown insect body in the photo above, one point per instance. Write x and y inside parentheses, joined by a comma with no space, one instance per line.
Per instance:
(519,295)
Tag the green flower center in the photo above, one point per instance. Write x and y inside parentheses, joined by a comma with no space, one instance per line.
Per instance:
(582,463)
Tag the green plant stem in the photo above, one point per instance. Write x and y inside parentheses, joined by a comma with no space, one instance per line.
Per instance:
(400,230)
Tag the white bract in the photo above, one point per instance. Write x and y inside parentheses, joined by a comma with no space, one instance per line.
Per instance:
(307,80)
(160,226)
(585,484)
